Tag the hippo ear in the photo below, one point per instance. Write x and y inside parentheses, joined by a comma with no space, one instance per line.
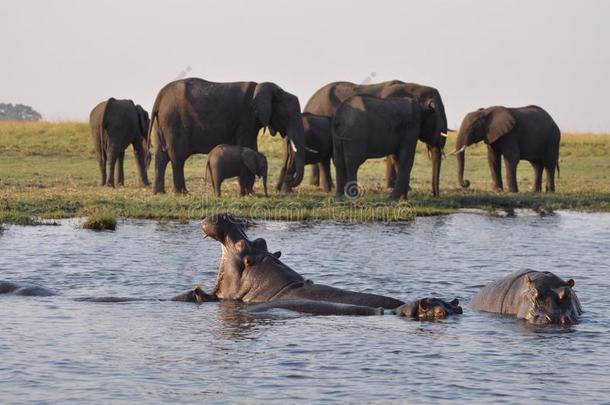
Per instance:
(423,303)
(455,302)
(198,294)
(569,283)
(276,254)
(527,280)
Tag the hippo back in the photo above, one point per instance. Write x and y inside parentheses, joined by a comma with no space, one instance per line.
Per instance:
(500,295)
(267,280)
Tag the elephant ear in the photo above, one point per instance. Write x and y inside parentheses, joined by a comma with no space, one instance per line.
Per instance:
(501,122)
(143,120)
(262,101)
(248,157)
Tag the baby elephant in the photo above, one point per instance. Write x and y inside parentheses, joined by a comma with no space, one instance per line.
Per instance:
(226,161)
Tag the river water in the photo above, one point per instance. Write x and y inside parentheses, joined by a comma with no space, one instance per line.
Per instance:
(55,349)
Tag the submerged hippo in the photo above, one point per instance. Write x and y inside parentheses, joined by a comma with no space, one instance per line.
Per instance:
(538,297)
(250,273)
(8,287)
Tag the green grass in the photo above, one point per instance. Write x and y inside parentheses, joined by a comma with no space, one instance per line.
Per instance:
(49,171)
(100,222)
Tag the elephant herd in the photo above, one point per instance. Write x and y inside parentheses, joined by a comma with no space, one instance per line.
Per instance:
(344,122)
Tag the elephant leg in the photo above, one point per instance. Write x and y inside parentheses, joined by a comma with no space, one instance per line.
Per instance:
(112,163)
(390,171)
(325,176)
(216,178)
(495,168)
(340,172)
(314,180)
(510,164)
(139,154)
(281,184)
(246,183)
(550,177)
(161,161)
(102,165)
(119,169)
(406,157)
(538,168)
(178,175)
(280,180)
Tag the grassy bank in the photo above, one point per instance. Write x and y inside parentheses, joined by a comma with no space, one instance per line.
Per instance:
(49,170)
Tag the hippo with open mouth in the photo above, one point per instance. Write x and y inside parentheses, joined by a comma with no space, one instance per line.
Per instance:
(250,273)
(538,297)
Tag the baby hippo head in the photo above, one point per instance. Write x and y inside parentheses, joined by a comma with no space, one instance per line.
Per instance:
(549,300)
(427,309)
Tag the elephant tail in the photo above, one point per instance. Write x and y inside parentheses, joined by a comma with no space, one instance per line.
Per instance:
(154,118)
(558,171)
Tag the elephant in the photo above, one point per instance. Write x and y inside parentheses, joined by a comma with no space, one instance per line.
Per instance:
(370,127)
(225,161)
(525,133)
(538,297)
(318,147)
(116,124)
(250,273)
(194,115)
(327,99)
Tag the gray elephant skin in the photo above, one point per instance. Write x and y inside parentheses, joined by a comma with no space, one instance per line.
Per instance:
(538,297)
(327,99)
(319,150)
(226,161)
(526,133)
(370,127)
(116,124)
(194,115)
(251,274)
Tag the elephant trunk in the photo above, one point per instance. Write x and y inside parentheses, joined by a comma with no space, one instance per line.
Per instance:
(297,142)
(460,151)
(436,155)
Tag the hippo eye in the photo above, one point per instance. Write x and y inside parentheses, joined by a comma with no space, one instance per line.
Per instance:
(439,312)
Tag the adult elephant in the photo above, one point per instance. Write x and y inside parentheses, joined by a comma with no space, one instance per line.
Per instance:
(193,116)
(327,99)
(370,127)
(526,133)
(116,124)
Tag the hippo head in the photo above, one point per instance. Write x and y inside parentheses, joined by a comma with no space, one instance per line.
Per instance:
(427,309)
(238,252)
(547,299)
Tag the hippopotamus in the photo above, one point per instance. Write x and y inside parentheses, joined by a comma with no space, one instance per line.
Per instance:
(7,287)
(194,295)
(250,273)
(539,297)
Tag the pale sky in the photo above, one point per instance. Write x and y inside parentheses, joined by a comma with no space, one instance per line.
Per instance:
(64,56)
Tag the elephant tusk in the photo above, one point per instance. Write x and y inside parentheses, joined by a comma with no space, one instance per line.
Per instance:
(444,134)
(457,152)
(294,147)
(311,150)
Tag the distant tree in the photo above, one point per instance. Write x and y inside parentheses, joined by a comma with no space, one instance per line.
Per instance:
(18,112)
